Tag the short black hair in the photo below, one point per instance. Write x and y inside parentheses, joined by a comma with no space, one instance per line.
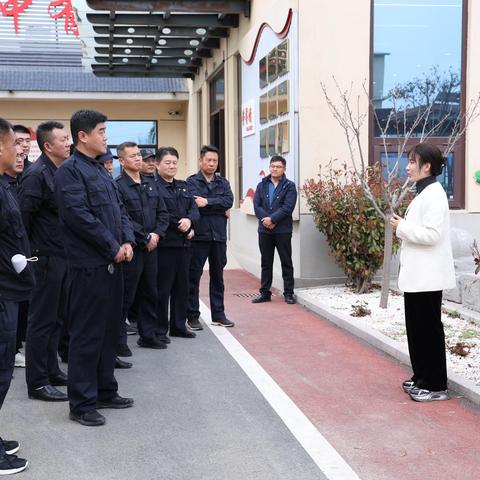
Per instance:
(163,151)
(44,132)
(5,127)
(121,148)
(85,121)
(20,129)
(278,158)
(208,148)
(428,153)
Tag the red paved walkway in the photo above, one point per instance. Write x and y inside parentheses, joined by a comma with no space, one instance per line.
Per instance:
(351,392)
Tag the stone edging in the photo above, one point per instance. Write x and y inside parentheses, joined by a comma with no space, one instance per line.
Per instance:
(362,329)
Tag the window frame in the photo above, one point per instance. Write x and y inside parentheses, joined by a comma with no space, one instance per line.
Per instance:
(376,146)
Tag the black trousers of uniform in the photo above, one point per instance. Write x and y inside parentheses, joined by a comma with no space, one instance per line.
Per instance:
(216,252)
(140,277)
(22,323)
(283,243)
(173,268)
(426,339)
(8,332)
(45,321)
(95,313)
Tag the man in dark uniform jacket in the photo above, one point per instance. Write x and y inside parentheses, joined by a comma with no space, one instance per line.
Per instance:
(214,197)
(149,217)
(274,202)
(97,236)
(174,250)
(40,216)
(14,287)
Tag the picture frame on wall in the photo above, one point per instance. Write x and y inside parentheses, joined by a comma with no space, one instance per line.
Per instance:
(264,108)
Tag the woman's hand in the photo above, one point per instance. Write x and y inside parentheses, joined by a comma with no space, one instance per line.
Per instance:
(395,220)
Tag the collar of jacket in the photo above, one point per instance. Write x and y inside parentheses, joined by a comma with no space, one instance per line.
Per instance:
(81,156)
(129,180)
(45,160)
(268,177)
(200,176)
(424,183)
(167,184)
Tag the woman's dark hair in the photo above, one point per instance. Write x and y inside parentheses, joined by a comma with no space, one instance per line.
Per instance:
(428,153)
(163,151)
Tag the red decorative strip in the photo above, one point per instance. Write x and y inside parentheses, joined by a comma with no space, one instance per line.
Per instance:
(282,34)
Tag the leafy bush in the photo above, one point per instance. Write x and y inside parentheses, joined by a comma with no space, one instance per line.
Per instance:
(353,228)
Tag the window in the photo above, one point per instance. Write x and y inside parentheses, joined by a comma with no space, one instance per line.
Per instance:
(418,79)
(142,132)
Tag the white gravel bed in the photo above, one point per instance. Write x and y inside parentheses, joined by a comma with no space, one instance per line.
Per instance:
(391,322)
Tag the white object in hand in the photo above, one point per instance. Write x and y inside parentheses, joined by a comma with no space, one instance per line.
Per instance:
(19,262)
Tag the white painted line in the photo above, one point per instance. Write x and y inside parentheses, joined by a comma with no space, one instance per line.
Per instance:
(314,443)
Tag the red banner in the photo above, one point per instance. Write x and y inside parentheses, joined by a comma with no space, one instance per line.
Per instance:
(13,8)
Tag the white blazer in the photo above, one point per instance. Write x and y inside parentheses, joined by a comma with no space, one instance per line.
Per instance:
(426,260)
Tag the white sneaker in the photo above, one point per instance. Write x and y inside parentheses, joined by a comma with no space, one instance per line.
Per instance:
(20,360)
(422,395)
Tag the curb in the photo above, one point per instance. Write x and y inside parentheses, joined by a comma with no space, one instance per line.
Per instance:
(360,328)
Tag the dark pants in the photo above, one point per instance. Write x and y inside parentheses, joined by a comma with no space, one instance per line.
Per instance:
(140,277)
(173,266)
(216,252)
(95,314)
(8,331)
(426,339)
(44,321)
(22,323)
(283,243)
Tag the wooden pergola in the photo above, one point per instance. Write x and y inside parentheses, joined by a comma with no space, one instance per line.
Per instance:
(159,38)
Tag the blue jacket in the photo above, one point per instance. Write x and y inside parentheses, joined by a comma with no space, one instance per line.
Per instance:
(212,225)
(36,198)
(281,209)
(14,287)
(93,219)
(180,204)
(145,207)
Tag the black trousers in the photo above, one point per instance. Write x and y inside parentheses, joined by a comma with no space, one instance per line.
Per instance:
(216,252)
(173,269)
(22,323)
(426,339)
(45,321)
(283,243)
(8,332)
(140,276)
(95,313)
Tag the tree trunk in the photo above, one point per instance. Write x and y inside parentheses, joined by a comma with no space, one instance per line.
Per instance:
(387,262)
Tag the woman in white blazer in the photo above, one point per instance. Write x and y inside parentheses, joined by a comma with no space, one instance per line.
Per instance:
(426,268)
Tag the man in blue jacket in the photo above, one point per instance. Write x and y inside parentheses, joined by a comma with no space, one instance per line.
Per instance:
(214,197)
(274,202)
(15,285)
(97,236)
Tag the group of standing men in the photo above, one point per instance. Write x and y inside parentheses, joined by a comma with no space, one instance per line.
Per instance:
(106,250)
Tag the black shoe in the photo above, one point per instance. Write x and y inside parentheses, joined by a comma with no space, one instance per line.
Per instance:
(10,464)
(263,297)
(225,322)
(194,324)
(164,339)
(182,334)
(152,343)
(131,330)
(121,364)
(10,446)
(123,351)
(89,419)
(116,402)
(48,393)
(59,380)
(290,298)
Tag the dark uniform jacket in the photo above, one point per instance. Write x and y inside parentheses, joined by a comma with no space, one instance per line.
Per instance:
(36,198)
(145,207)
(281,208)
(93,220)
(213,222)
(14,286)
(180,204)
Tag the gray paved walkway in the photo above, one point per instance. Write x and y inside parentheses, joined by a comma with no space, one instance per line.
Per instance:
(196,416)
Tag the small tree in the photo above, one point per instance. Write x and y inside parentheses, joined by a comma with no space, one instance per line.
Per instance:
(408,121)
